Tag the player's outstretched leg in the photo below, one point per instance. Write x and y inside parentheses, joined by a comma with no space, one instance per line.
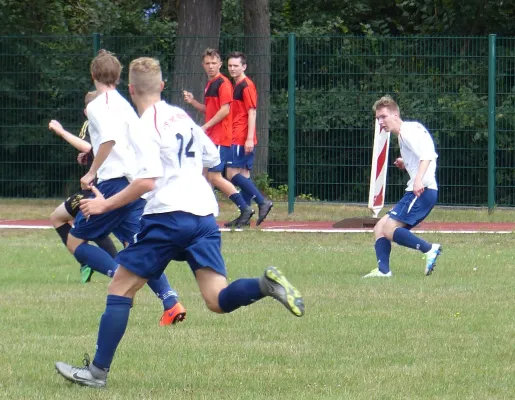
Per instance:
(274,284)
(431,256)
(88,375)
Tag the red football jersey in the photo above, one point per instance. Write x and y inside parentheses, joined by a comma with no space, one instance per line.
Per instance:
(244,98)
(217,93)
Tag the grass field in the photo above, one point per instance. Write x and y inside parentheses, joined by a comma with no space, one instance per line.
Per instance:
(447,336)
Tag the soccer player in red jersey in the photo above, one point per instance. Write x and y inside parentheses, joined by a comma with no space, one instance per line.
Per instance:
(218,126)
(244,139)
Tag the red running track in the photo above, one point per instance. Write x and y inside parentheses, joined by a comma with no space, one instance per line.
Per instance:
(323,226)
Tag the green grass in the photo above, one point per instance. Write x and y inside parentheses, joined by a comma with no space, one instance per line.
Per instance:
(304,211)
(447,336)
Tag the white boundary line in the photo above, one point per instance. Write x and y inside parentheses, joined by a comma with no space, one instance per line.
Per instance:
(294,230)
(291,230)
(26,226)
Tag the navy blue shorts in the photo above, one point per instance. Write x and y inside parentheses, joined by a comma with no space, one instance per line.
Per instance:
(122,222)
(225,159)
(177,236)
(240,159)
(412,210)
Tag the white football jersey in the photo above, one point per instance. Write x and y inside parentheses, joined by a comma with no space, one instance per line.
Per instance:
(110,116)
(416,145)
(169,146)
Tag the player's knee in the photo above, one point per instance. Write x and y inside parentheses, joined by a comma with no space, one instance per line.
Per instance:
(212,303)
(56,219)
(232,172)
(122,287)
(379,230)
(215,178)
(72,243)
(388,230)
(213,306)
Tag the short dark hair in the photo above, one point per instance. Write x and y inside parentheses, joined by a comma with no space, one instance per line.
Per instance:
(209,52)
(240,55)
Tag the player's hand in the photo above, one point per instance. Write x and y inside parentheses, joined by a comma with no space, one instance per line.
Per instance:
(82,158)
(55,126)
(204,128)
(399,163)
(87,181)
(418,188)
(94,206)
(188,96)
(249,146)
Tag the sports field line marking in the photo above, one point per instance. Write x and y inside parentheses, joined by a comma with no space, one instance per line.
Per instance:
(26,226)
(291,230)
(294,230)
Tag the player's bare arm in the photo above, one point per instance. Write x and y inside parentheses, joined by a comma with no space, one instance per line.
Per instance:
(249,142)
(75,141)
(418,187)
(100,205)
(218,117)
(188,98)
(103,152)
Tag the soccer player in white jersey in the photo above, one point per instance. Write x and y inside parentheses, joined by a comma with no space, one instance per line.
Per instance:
(110,116)
(418,158)
(178,223)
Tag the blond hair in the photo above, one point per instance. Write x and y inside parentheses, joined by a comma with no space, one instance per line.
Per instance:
(386,102)
(105,68)
(145,76)
(90,96)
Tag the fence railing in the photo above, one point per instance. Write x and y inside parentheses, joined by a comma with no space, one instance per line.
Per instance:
(315,122)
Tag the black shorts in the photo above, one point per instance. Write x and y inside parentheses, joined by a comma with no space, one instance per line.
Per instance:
(72,203)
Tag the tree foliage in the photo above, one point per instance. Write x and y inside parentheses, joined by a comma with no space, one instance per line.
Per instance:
(393,17)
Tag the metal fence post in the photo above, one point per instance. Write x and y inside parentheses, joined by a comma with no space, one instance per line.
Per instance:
(291,122)
(491,120)
(96,44)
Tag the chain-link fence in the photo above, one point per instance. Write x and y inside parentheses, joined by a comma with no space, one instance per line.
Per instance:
(450,84)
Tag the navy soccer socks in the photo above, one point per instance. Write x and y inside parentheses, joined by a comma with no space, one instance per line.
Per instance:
(237,199)
(246,197)
(161,287)
(248,187)
(404,237)
(107,244)
(383,249)
(97,259)
(111,330)
(241,292)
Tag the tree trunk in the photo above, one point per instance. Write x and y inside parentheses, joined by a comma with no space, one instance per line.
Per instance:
(256,22)
(199,24)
